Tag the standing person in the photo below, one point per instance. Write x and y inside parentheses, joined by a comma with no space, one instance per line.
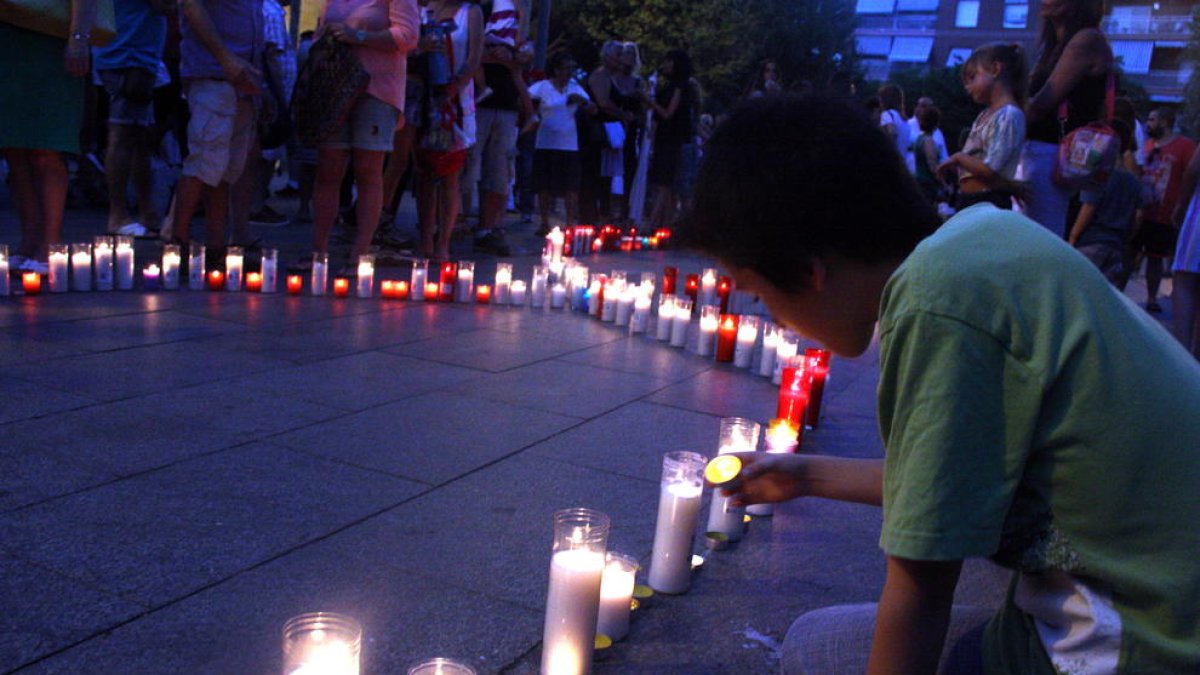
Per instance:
(766,81)
(556,169)
(999,348)
(1167,155)
(1073,67)
(925,154)
(616,89)
(127,68)
(1185,292)
(994,76)
(279,75)
(381,34)
(891,118)
(41,113)
(1106,218)
(914,130)
(674,126)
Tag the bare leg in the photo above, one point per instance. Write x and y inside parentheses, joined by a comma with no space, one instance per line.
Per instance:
(368,177)
(331,168)
(397,163)
(451,200)
(143,184)
(242,196)
(427,210)
(490,209)
(187,198)
(117,162)
(25,194)
(216,210)
(572,200)
(51,173)
(545,200)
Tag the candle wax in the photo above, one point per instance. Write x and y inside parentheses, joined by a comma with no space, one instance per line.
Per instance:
(678,513)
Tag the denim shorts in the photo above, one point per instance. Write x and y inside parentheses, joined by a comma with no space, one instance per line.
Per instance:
(121,109)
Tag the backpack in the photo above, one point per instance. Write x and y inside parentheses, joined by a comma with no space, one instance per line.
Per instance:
(1087,155)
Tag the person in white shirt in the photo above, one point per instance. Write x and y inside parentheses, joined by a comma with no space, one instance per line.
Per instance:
(556,167)
(914,130)
(891,98)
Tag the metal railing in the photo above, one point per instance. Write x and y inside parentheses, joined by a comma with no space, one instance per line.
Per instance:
(1162,27)
(897,22)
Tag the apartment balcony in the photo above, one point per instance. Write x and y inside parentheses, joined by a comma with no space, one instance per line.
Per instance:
(896,23)
(1149,27)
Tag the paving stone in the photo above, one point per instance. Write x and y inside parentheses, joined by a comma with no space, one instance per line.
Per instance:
(432,438)
(76,306)
(24,400)
(258,309)
(639,354)
(28,475)
(723,392)
(564,388)
(127,330)
(491,350)
(17,348)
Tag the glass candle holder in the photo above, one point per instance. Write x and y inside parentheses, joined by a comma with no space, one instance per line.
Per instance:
(441,666)
(558,296)
(537,286)
(724,290)
(81,266)
(678,511)
(431,290)
(670,277)
(196,269)
(680,322)
(322,642)
(554,245)
(709,321)
(365,283)
(708,287)
(254,282)
(341,287)
(770,347)
(691,287)
(464,284)
(418,277)
(151,277)
(402,290)
(5,288)
(517,293)
(738,434)
(387,289)
(102,260)
(235,260)
(625,306)
(573,600)
(31,283)
(270,270)
(596,302)
(578,287)
(785,351)
(666,313)
(319,281)
(295,284)
(504,274)
(727,334)
(483,294)
(747,336)
(781,437)
(216,280)
(817,363)
(616,595)
(123,255)
(171,261)
(613,291)
(793,392)
(639,322)
(57,264)
(446,282)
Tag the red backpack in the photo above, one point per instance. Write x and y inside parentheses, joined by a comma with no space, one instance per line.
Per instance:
(1087,155)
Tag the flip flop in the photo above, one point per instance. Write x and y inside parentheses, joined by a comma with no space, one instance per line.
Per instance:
(136,230)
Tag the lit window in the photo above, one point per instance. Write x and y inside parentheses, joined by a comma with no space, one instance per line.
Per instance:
(967,14)
(1016,15)
(958,56)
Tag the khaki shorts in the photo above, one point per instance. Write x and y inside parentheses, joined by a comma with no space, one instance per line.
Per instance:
(494,149)
(220,131)
(370,126)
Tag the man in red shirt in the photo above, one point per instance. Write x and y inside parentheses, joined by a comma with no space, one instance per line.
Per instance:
(1167,154)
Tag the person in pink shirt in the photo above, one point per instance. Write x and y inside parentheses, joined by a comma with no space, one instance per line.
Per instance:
(381,32)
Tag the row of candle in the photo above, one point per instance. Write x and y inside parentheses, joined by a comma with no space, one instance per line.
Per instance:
(328,643)
(580,240)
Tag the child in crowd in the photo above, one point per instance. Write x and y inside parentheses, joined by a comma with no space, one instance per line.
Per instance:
(1106,218)
(994,76)
(503,31)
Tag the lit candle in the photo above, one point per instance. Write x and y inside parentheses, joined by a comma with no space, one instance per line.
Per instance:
(781,437)
(640,320)
(503,282)
(793,395)
(517,293)
(365,285)
(680,322)
(31,282)
(737,435)
(234,260)
(708,287)
(387,289)
(465,282)
(709,320)
(4,280)
(554,245)
(319,283)
(216,280)
(254,282)
(322,643)
(483,294)
(770,344)
(788,345)
(341,287)
(727,337)
(57,264)
(817,362)
(579,288)
(151,277)
(747,335)
(616,595)
(270,270)
(295,284)
(441,666)
(573,599)
(678,512)
(81,267)
(431,291)
(558,296)
(102,258)
(666,312)
(537,287)
(596,299)
(670,277)
(724,289)
(625,306)
(691,288)
(171,260)
(195,267)
(613,291)
(124,264)
(448,279)
(417,280)
(597,244)
(402,290)
(554,272)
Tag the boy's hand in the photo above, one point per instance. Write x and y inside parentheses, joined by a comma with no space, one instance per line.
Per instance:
(768,478)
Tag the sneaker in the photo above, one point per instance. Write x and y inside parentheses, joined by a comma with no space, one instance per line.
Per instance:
(268,217)
(493,242)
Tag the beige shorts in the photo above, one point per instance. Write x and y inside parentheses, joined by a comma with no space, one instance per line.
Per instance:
(220,131)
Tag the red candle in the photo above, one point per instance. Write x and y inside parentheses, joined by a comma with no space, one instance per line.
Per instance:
(600,296)
(597,244)
(431,291)
(449,276)
(817,362)
(294,284)
(401,290)
(726,337)
(691,287)
(32,282)
(793,395)
(670,277)
(724,289)
(483,294)
(341,287)
(254,282)
(387,289)
(216,280)
(653,242)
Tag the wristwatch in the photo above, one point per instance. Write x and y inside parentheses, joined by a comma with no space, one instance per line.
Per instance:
(360,35)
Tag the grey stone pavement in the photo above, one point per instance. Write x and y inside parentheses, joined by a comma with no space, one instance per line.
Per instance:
(182,472)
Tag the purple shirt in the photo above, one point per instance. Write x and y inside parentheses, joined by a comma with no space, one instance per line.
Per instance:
(240,25)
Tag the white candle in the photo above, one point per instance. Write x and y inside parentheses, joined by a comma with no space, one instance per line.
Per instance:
(738,434)
(554,245)
(666,312)
(81,267)
(624,307)
(680,322)
(416,288)
(770,344)
(572,608)
(124,258)
(594,291)
(518,293)
(320,273)
(321,643)
(5,288)
(269,268)
(640,321)
(784,352)
(234,260)
(612,299)
(671,561)
(170,267)
(465,282)
(781,438)
(558,296)
(503,283)
(708,287)
(747,335)
(616,595)
(554,272)
(537,287)
(709,319)
(151,277)
(195,267)
(102,258)
(58,268)
(366,276)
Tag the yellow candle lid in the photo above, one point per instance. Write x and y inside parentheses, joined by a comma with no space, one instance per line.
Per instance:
(722,469)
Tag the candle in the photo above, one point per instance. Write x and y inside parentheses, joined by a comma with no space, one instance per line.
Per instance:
(737,435)
(319,283)
(666,313)
(596,303)
(611,297)
(670,277)
(727,337)
(709,320)
(770,343)
(365,282)
(678,511)
(517,293)
(321,643)
(341,287)
(431,290)
(464,286)
(270,270)
(57,264)
(554,272)
(234,260)
(793,395)
(483,294)
(558,296)
(708,287)
(81,267)
(195,267)
(554,245)
(597,244)
(31,282)
(788,345)
(4,280)
(420,271)
(151,277)
(573,600)
(295,283)
(447,281)
(624,306)
(640,321)
(747,335)
(680,321)
(216,280)
(503,282)
(817,363)
(401,290)
(102,258)
(724,289)
(124,264)
(441,666)
(171,260)
(691,288)
(616,595)
(254,282)
(781,437)
(577,287)
(387,289)
(537,286)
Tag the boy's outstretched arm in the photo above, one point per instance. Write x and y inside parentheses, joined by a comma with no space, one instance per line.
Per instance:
(914,613)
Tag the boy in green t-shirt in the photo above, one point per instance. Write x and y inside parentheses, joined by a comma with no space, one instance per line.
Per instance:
(1030,413)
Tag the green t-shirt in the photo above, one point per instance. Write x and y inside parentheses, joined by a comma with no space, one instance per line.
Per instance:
(1034,415)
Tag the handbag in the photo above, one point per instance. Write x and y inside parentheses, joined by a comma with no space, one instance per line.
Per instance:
(327,88)
(53,17)
(1087,155)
